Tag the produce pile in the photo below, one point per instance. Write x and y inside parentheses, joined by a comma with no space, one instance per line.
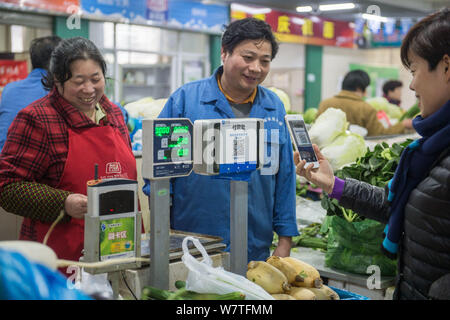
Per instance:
(376,167)
(152,293)
(382,104)
(289,279)
(313,236)
(283,97)
(338,145)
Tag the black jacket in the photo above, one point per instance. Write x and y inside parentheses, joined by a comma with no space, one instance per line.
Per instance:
(424,249)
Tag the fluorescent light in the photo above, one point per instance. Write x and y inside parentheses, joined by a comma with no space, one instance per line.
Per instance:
(337,6)
(374,17)
(304,9)
(296,20)
(250,10)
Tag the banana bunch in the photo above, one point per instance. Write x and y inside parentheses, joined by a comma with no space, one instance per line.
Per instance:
(289,279)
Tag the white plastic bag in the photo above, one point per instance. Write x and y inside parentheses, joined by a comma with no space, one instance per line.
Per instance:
(96,284)
(204,278)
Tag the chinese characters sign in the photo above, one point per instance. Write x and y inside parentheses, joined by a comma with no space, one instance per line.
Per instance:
(291,27)
(11,70)
(117,238)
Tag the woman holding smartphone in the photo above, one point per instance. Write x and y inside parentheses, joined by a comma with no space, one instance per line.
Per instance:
(415,205)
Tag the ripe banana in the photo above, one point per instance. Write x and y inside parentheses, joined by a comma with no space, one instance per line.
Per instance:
(302,293)
(268,277)
(310,275)
(288,270)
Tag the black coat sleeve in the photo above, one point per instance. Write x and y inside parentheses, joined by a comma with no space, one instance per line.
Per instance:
(366,200)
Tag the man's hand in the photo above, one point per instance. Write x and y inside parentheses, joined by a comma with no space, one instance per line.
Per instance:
(284,247)
(76,205)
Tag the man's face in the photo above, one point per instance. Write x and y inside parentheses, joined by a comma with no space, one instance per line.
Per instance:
(247,66)
(396,93)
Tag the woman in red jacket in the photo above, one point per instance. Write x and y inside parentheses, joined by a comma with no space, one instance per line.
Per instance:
(54,143)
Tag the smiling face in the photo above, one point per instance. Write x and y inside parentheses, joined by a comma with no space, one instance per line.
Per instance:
(432,88)
(86,86)
(246,67)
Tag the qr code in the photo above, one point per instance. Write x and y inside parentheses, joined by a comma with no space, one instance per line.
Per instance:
(239,148)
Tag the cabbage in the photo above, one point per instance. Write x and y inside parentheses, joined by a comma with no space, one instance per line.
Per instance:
(145,108)
(381,103)
(328,126)
(345,149)
(310,115)
(283,97)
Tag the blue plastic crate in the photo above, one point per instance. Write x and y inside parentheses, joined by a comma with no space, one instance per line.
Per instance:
(347,295)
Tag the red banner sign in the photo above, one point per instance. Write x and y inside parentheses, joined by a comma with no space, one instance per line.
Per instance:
(11,70)
(47,5)
(291,27)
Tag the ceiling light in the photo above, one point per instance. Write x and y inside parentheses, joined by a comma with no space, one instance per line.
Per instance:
(337,6)
(304,9)
(374,17)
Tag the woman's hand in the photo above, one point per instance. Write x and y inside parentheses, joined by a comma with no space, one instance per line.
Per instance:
(322,176)
(76,205)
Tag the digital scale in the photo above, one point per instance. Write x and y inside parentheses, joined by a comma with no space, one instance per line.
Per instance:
(112,228)
(223,148)
(174,147)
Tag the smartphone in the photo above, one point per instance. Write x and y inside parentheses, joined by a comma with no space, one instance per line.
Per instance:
(300,139)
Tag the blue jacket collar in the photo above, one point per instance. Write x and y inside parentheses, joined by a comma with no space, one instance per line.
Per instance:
(212,93)
(38,73)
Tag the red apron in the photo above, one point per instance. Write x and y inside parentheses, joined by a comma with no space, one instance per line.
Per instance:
(88,146)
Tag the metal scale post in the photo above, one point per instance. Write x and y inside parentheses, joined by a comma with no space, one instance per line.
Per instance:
(238,226)
(237,150)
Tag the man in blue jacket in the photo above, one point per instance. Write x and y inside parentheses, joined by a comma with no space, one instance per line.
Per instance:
(19,94)
(200,203)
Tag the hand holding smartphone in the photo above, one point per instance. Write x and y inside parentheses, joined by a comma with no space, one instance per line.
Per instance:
(300,139)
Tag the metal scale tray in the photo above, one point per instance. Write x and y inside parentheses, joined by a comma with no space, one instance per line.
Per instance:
(209,242)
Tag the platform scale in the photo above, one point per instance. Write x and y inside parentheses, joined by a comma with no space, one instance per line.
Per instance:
(227,148)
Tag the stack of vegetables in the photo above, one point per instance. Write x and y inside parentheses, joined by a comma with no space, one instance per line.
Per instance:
(353,241)
(283,97)
(393,112)
(339,146)
(152,293)
(289,279)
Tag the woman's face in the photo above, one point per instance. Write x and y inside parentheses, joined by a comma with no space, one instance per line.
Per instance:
(432,88)
(86,86)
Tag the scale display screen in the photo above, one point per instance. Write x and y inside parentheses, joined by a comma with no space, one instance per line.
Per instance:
(172,142)
(167,147)
(115,202)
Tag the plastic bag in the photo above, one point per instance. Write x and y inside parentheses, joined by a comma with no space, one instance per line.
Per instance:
(95,284)
(21,279)
(355,246)
(204,278)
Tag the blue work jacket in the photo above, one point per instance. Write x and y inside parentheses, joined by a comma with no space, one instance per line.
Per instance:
(18,95)
(201,203)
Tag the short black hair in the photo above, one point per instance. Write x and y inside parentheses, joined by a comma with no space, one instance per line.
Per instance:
(356,79)
(41,51)
(248,28)
(68,51)
(429,39)
(391,85)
